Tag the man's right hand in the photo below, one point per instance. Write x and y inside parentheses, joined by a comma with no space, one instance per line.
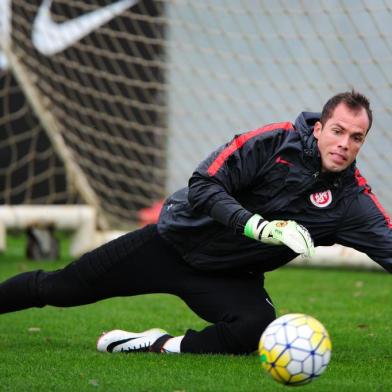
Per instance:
(280,232)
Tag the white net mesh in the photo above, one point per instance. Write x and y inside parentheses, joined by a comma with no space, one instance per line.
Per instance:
(237,65)
(148,92)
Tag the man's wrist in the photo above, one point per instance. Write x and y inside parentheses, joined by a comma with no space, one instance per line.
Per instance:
(254,226)
(239,219)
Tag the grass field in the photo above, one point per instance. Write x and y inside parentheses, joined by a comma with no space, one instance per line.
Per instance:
(53,349)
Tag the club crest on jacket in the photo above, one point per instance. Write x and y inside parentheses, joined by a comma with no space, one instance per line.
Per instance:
(321,199)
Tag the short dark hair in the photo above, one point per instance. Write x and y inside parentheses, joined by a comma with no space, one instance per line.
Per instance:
(354,101)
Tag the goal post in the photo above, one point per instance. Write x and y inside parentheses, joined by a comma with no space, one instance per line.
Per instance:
(118,107)
(48,121)
(81,220)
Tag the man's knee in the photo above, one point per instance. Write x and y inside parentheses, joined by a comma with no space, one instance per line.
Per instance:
(250,328)
(21,292)
(63,288)
(43,287)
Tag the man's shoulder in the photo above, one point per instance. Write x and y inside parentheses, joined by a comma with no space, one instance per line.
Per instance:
(273,135)
(268,131)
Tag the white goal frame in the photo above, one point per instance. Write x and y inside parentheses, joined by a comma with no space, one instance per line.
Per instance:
(79,219)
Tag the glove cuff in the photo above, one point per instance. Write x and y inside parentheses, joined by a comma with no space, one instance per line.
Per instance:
(254,227)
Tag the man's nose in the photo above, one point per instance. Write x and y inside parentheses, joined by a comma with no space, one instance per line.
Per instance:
(344,142)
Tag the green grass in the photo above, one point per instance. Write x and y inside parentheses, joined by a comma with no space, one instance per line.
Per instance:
(53,349)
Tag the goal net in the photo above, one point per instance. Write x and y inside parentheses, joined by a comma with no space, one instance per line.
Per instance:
(93,74)
(31,171)
(128,96)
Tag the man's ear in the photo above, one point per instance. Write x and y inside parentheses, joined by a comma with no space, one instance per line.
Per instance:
(317,129)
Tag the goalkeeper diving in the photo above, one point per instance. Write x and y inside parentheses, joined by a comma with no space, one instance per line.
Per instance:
(250,207)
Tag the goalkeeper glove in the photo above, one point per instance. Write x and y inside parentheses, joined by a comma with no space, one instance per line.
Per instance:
(280,232)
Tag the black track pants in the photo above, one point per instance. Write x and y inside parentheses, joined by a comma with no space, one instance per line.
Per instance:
(141,262)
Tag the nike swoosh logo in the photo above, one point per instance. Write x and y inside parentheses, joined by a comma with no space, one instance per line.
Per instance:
(112,345)
(269,302)
(50,37)
(283,161)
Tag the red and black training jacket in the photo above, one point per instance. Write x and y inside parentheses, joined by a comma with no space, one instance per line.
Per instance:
(273,171)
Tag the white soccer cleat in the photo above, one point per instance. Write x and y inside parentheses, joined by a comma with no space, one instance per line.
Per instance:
(128,342)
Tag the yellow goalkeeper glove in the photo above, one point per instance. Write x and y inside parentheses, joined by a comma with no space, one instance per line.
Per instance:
(280,232)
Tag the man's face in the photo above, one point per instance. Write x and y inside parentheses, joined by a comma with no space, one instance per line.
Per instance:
(341,137)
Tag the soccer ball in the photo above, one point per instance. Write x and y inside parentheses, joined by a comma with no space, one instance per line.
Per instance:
(295,349)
